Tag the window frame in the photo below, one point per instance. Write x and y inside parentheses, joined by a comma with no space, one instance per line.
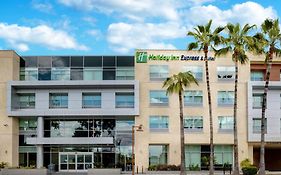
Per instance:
(156,70)
(225,73)
(94,94)
(126,102)
(193,127)
(164,121)
(158,98)
(59,94)
(220,129)
(194,94)
(229,102)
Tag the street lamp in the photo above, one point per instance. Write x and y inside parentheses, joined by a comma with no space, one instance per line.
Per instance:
(138,128)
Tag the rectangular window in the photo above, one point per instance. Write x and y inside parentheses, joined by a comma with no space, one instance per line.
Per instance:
(158,72)
(124,100)
(193,98)
(61,61)
(226,123)
(257,100)
(193,123)
(159,123)
(60,74)
(92,74)
(257,125)
(58,100)
(158,154)
(27,100)
(223,154)
(27,124)
(109,74)
(197,71)
(225,98)
(226,73)
(76,73)
(91,100)
(257,76)
(44,74)
(31,74)
(159,98)
(192,156)
(125,73)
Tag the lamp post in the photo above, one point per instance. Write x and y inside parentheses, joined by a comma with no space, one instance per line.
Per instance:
(138,128)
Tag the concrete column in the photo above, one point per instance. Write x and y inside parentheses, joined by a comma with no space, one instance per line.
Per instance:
(39,148)
(39,154)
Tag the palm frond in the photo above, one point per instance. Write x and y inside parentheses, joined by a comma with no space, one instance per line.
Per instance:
(193,45)
(223,51)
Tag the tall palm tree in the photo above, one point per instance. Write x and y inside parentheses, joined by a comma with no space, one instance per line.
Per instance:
(204,40)
(268,43)
(176,84)
(237,42)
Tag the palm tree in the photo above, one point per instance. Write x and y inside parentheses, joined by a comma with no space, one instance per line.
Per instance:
(267,42)
(176,84)
(204,39)
(237,42)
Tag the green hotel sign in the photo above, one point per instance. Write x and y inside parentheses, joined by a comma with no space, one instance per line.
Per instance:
(143,57)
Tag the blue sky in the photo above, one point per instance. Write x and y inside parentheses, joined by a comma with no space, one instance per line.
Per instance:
(106,27)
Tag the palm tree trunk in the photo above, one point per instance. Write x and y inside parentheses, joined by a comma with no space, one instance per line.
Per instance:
(236,164)
(182,166)
(211,170)
(264,100)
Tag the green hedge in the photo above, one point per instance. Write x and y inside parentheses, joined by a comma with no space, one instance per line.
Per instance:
(250,170)
(164,168)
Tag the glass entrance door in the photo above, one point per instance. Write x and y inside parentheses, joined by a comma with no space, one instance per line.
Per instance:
(75,161)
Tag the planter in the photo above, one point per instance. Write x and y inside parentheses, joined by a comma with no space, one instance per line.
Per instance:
(104,171)
(8,171)
(163,172)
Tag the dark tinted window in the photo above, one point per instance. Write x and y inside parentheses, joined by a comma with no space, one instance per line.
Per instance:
(125,61)
(108,74)
(93,61)
(22,62)
(60,62)
(44,61)
(30,61)
(108,61)
(76,74)
(76,61)
(44,74)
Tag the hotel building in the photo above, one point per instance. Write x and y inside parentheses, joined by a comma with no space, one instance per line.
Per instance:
(77,112)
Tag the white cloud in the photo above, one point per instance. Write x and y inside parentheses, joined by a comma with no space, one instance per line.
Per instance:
(131,9)
(95,33)
(248,12)
(43,7)
(124,37)
(20,37)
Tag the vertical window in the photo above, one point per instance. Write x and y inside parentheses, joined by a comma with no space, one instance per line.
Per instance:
(109,73)
(257,125)
(92,74)
(158,154)
(223,154)
(159,123)
(225,98)
(193,98)
(60,74)
(257,76)
(159,98)
(27,100)
(225,123)
(197,71)
(226,73)
(192,156)
(124,100)
(58,100)
(193,123)
(61,61)
(91,100)
(125,73)
(257,100)
(158,72)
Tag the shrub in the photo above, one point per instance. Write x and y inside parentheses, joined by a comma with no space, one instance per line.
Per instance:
(250,170)
(245,163)
(3,165)
(194,167)
(163,168)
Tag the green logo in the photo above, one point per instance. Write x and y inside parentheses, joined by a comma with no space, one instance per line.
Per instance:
(141,57)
